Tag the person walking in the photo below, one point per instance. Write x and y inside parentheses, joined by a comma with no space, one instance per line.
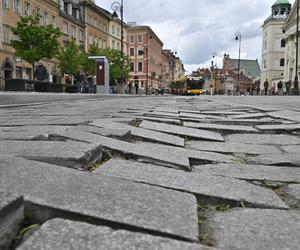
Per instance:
(90,84)
(266,86)
(279,88)
(78,81)
(136,88)
(288,87)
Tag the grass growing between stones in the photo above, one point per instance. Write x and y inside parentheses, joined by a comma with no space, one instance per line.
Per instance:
(105,157)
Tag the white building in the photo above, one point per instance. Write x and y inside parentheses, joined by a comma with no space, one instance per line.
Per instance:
(289,29)
(273,44)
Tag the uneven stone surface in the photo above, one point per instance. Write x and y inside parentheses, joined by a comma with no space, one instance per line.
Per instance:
(165,190)
(178,130)
(277,159)
(103,198)
(11,218)
(251,172)
(213,186)
(68,154)
(58,234)
(264,139)
(256,229)
(232,147)
(220,127)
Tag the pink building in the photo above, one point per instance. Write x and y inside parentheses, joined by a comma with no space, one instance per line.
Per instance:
(145,52)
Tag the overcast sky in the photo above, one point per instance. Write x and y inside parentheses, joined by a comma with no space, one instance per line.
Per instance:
(197,29)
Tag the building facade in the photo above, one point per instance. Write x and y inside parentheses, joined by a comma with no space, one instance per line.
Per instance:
(11,11)
(290,32)
(145,52)
(168,68)
(274,44)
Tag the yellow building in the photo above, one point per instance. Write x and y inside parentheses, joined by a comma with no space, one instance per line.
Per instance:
(10,13)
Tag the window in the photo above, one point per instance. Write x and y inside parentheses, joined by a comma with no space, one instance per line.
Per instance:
(65,28)
(131,39)
(61,3)
(70,9)
(113,29)
(90,40)
(113,44)
(140,51)
(45,18)
(282,43)
(131,52)
(140,39)
(265,64)
(5,4)
(80,35)
(26,9)
(54,20)
(17,6)
(6,33)
(73,31)
(132,66)
(37,10)
(77,14)
(266,45)
(140,66)
(282,62)
(118,45)
(19,72)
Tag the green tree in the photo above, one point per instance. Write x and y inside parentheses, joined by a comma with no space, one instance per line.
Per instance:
(88,65)
(69,57)
(34,41)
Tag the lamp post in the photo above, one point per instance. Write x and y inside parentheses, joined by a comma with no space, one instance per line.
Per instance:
(238,37)
(296,83)
(119,7)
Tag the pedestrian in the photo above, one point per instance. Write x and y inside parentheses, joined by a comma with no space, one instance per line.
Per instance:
(273,89)
(288,87)
(266,86)
(136,88)
(91,85)
(279,88)
(78,81)
(130,88)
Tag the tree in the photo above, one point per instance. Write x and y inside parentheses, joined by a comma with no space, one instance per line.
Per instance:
(70,57)
(88,65)
(35,41)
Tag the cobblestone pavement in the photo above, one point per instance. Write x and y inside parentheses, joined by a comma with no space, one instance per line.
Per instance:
(151,173)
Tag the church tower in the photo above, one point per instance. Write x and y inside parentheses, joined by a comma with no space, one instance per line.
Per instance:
(273,44)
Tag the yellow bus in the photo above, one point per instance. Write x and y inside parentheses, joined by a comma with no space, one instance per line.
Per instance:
(188,86)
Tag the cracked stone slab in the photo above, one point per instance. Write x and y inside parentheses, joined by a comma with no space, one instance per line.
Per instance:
(233,147)
(277,159)
(286,114)
(212,186)
(284,127)
(264,139)
(183,131)
(162,114)
(220,127)
(69,154)
(256,229)
(222,112)
(143,133)
(58,234)
(11,218)
(102,198)
(251,172)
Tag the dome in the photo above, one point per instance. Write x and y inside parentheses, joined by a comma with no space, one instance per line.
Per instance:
(281,2)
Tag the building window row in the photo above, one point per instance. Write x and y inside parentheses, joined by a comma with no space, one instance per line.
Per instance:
(140,51)
(6,34)
(96,23)
(139,67)
(139,39)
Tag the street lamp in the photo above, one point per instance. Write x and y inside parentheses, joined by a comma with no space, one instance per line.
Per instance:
(119,7)
(296,83)
(238,37)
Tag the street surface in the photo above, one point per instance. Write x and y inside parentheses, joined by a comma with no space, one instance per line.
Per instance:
(151,173)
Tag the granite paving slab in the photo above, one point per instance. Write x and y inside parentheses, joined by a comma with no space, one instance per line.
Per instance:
(220,127)
(288,159)
(11,218)
(286,114)
(183,131)
(58,234)
(292,149)
(157,119)
(251,172)
(162,114)
(256,229)
(233,147)
(284,127)
(294,190)
(143,133)
(69,154)
(115,201)
(212,186)
(222,112)
(249,116)
(277,139)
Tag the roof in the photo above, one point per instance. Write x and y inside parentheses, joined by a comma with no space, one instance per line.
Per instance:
(250,67)
(281,2)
